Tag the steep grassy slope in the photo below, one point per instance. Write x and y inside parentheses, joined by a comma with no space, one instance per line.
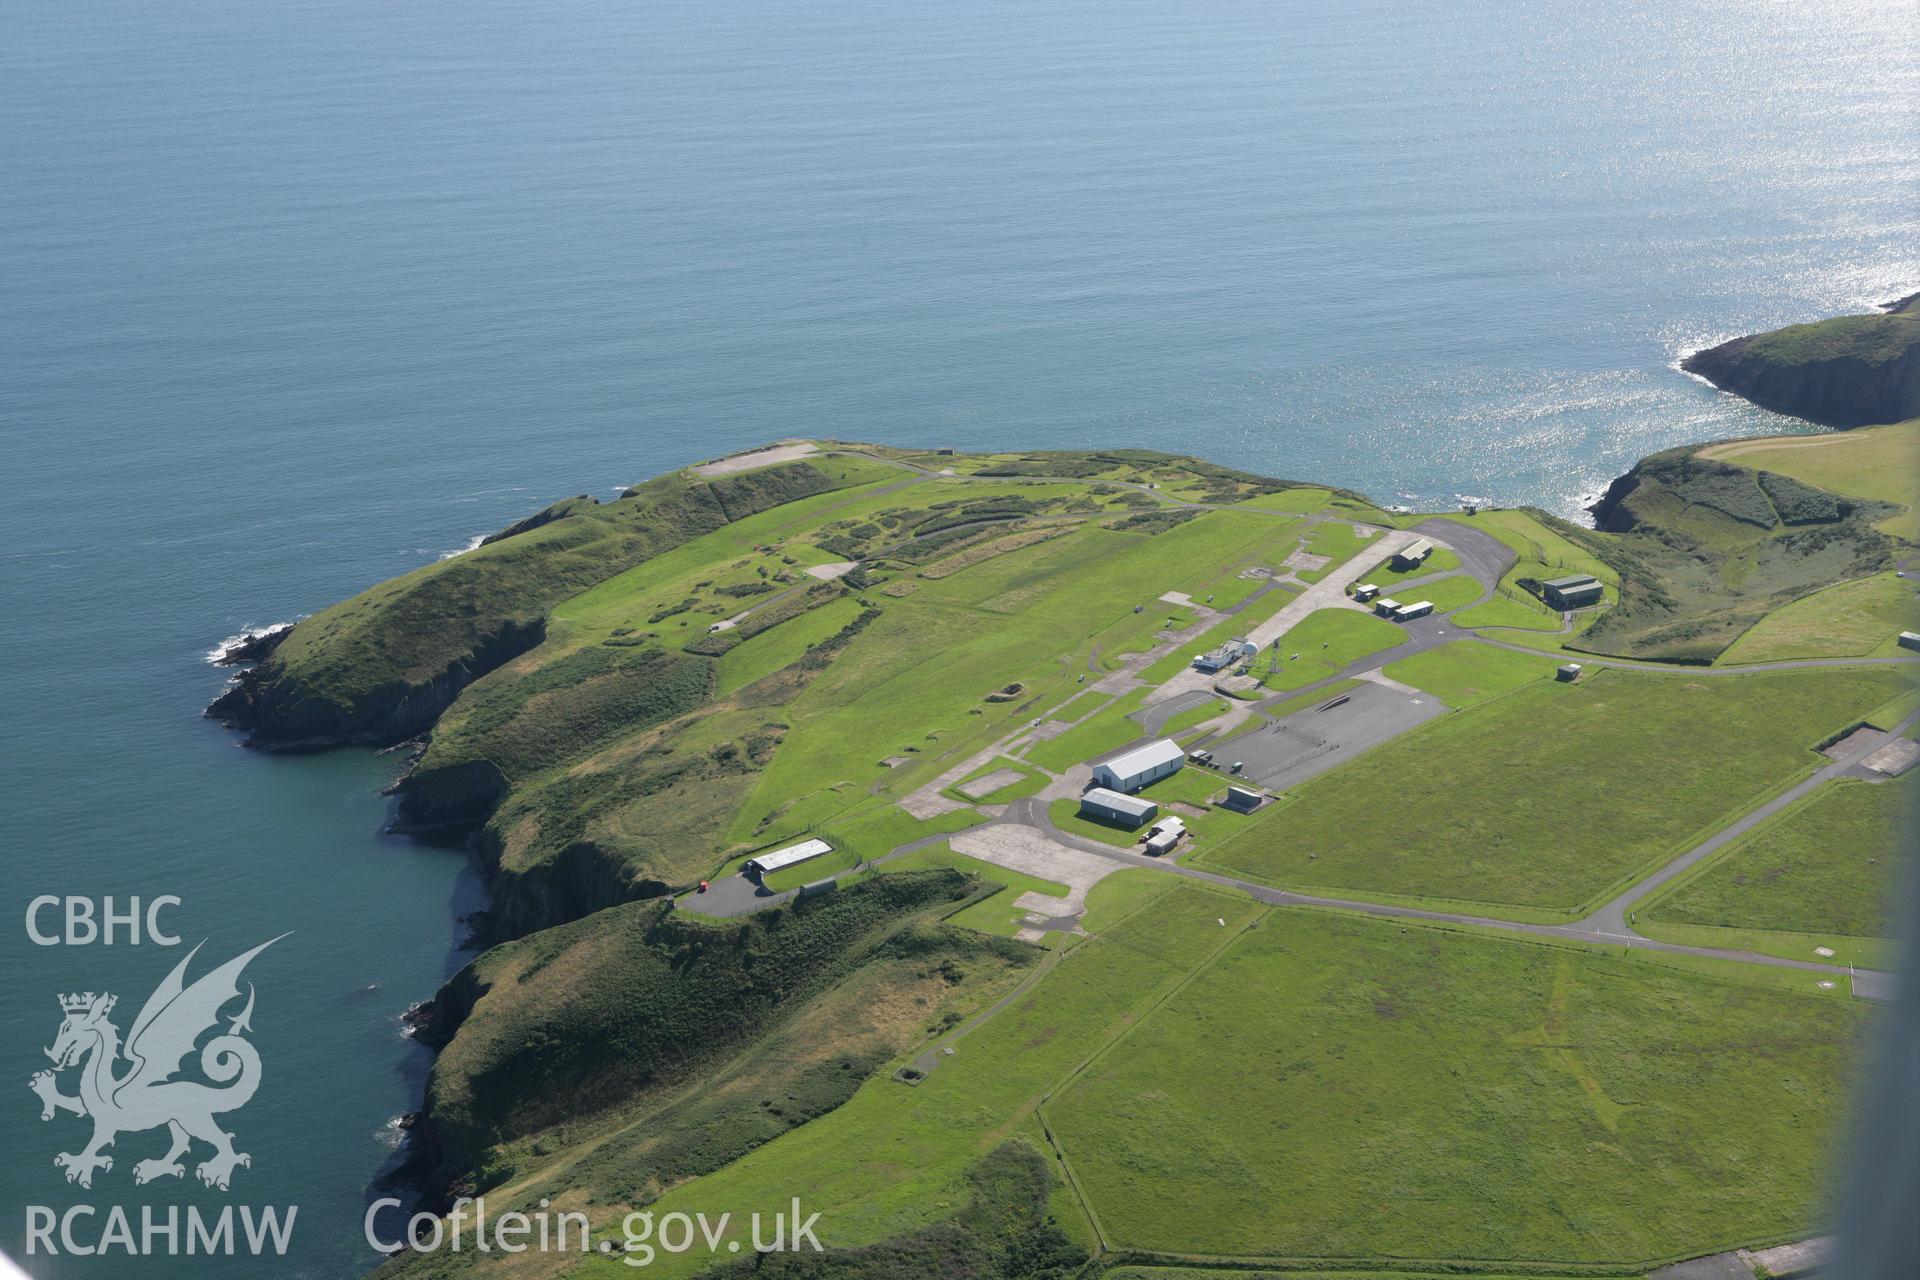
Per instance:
(386,663)
(579,1018)
(1846,372)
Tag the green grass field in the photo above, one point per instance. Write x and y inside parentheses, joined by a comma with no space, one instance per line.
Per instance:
(1349,1088)
(1106,730)
(771,650)
(1509,607)
(1554,794)
(1829,866)
(1465,672)
(893,1158)
(874,830)
(1847,620)
(1889,714)
(1292,501)
(1326,640)
(1446,594)
(1336,540)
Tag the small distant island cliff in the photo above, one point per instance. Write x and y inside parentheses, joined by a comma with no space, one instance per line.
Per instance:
(1851,371)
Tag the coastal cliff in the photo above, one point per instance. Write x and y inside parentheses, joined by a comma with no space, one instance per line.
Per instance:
(382,666)
(1850,371)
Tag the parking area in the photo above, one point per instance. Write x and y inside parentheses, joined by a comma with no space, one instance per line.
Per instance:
(1295,748)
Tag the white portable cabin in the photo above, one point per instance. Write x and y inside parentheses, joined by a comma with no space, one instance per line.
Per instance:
(1165,834)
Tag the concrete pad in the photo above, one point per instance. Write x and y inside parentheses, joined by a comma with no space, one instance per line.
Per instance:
(1180,598)
(1719,1266)
(987,784)
(1801,1258)
(1895,758)
(1859,740)
(838,569)
(1025,850)
(1385,681)
(1043,906)
(733,896)
(785,452)
(1871,984)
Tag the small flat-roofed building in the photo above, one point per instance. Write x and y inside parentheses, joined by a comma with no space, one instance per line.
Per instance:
(1236,650)
(1242,799)
(1386,606)
(762,865)
(1568,672)
(1165,834)
(1412,554)
(1408,612)
(1365,592)
(1103,805)
(1132,770)
(1909,640)
(1575,591)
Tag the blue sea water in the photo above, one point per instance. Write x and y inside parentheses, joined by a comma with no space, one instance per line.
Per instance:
(296,296)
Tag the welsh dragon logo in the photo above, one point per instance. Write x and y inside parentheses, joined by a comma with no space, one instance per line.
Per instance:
(145,1095)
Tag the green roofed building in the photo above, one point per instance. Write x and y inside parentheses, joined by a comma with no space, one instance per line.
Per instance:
(1574,591)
